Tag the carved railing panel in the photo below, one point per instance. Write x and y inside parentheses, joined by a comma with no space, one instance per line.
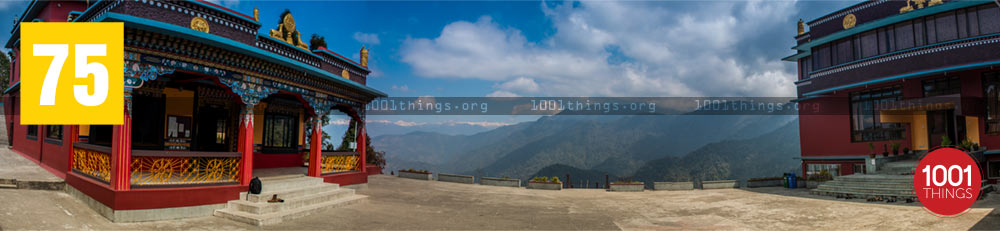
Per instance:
(93,163)
(334,162)
(181,170)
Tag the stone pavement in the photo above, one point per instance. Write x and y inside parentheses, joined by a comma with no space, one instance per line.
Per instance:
(16,171)
(397,204)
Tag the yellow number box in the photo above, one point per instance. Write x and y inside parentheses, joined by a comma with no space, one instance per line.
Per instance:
(72,73)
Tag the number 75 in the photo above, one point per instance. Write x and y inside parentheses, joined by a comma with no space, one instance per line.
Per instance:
(60,52)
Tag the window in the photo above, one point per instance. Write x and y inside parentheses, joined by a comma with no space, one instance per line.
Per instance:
(859,169)
(53,132)
(100,135)
(989,15)
(904,35)
(822,55)
(32,131)
(947,28)
(806,67)
(814,169)
(918,32)
(942,86)
(869,44)
(973,22)
(845,51)
(993,169)
(991,89)
(148,122)
(280,131)
(865,125)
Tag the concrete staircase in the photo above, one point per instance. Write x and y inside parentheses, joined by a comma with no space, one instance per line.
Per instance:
(902,167)
(885,186)
(303,196)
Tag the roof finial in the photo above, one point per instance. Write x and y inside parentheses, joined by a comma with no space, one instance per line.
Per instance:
(364,56)
(802,27)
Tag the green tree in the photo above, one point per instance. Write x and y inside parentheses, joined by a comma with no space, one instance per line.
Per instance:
(4,72)
(316,42)
(345,143)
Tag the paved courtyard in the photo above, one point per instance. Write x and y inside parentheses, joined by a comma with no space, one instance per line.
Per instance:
(410,204)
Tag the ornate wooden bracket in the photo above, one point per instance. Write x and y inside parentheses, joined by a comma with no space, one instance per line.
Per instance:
(250,93)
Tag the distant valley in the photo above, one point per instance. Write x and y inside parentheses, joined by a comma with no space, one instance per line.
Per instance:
(654,148)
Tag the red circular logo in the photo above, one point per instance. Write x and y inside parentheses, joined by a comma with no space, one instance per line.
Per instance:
(947,181)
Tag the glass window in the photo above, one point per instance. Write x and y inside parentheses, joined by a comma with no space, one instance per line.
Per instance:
(859,169)
(963,27)
(883,45)
(918,32)
(946,27)
(991,88)
(942,86)
(100,135)
(822,57)
(989,15)
(148,114)
(280,131)
(814,169)
(845,51)
(973,22)
(931,32)
(53,132)
(904,35)
(865,125)
(869,44)
(994,169)
(32,130)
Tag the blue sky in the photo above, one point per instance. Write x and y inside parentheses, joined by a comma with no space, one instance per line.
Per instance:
(531,48)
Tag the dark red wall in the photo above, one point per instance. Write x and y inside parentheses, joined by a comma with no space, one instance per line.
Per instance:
(269,160)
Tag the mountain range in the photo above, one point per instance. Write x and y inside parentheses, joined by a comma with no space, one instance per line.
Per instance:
(637,146)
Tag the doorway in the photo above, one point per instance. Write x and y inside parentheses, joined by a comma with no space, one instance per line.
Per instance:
(940,124)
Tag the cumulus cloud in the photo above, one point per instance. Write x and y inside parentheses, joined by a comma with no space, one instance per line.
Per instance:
(366,38)
(606,48)
(402,88)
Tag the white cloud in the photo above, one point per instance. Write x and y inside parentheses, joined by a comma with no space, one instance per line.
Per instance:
(366,38)
(402,88)
(521,84)
(502,94)
(622,49)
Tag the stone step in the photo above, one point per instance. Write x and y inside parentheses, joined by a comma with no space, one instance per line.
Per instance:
(875,178)
(278,185)
(288,193)
(863,195)
(278,217)
(875,185)
(899,191)
(290,203)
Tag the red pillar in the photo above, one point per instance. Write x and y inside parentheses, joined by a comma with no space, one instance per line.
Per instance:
(315,149)
(121,154)
(361,147)
(246,145)
(73,137)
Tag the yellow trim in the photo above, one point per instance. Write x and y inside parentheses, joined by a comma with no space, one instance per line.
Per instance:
(972,128)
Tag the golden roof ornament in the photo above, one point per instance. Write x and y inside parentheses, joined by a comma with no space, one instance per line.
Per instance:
(199,24)
(364,56)
(849,21)
(345,74)
(802,27)
(286,31)
(256,14)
